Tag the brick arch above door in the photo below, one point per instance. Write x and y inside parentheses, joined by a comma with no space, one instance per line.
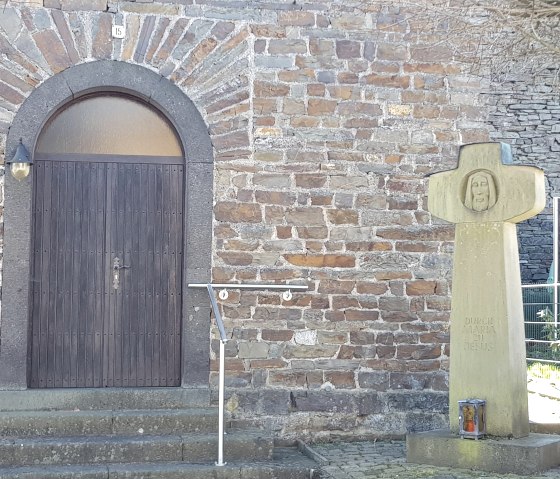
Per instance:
(47,99)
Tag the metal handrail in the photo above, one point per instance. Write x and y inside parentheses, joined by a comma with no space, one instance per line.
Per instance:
(223,339)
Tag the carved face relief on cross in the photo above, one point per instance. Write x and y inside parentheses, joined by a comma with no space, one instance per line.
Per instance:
(486,187)
(480,194)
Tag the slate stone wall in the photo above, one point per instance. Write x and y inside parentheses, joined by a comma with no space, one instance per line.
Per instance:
(527,116)
(325,119)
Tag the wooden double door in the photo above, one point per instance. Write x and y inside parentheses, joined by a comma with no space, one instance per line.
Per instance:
(107,245)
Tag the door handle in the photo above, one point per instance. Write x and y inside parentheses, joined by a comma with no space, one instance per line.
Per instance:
(117,266)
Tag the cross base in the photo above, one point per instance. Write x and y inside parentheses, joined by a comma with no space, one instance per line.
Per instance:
(526,456)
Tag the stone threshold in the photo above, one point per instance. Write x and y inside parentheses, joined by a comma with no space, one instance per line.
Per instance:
(103,398)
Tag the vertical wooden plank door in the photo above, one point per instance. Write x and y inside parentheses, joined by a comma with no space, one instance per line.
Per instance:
(106,274)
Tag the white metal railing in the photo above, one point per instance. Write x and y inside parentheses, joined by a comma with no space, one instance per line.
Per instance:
(287,288)
(540,309)
(554,297)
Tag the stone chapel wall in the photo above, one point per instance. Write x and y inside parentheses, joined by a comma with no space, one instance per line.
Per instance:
(325,118)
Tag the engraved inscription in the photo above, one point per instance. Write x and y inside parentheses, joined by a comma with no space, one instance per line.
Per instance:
(480,334)
(480,194)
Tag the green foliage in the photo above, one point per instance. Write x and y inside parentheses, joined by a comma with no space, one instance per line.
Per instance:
(551,372)
(550,332)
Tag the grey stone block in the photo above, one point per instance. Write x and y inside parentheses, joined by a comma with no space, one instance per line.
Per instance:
(103,398)
(528,455)
(91,450)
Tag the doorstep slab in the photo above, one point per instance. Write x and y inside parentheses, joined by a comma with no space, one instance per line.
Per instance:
(527,455)
(103,398)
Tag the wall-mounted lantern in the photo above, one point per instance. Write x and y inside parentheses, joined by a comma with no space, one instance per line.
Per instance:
(20,162)
(472,418)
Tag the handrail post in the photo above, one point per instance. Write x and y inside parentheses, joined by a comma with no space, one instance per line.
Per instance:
(223,339)
(221,380)
(221,406)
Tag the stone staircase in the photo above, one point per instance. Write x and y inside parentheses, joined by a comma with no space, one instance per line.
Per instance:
(156,433)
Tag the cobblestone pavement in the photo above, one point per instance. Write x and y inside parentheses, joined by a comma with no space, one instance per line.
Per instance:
(387,460)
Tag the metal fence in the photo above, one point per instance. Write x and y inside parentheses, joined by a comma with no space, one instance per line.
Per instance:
(542,325)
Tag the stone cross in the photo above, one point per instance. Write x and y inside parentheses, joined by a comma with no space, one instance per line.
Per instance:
(485,197)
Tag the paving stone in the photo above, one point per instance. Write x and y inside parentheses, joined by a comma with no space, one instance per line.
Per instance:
(386,460)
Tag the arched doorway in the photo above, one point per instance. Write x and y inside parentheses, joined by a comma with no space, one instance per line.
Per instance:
(107,247)
(179,169)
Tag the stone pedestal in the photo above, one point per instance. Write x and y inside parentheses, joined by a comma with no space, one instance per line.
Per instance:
(527,455)
(487,335)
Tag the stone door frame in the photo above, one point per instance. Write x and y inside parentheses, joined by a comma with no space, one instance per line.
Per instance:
(44,101)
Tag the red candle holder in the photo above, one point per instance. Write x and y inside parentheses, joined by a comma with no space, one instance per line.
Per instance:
(472,418)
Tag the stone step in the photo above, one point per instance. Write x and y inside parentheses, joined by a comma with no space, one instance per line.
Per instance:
(103,398)
(192,448)
(172,470)
(101,422)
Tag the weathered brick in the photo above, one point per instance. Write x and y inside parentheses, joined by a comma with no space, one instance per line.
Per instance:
(241,245)
(275,197)
(321,261)
(236,259)
(474,136)
(418,352)
(391,52)
(11,95)
(321,199)
(388,81)
(304,351)
(362,337)
(267,364)
(316,232)
(284,232)
(356,352)
(305,217)
(340,379)
(356,108)
(339,217)
(335,287)
(292,106)
(53,50)
(431,233)
(348,22)
(267,89)
(222,29)
(271,180)
(431,53)
(317,106)
(344,302)
(277,335)
(347,49)
(238,212)
(297,18)
(253,350)
(304,121)
(348,182)
(76,5)
(360,315)
(416,247)
(305,379)
(332,337)
(377,381)
(420,287)
(371,288)
(64,31)
(286,46)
